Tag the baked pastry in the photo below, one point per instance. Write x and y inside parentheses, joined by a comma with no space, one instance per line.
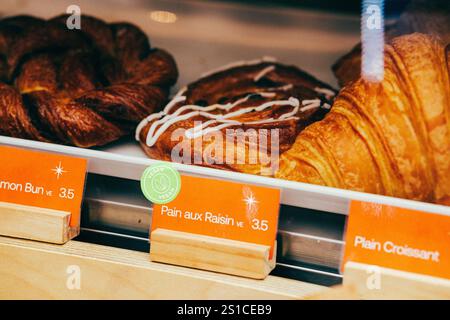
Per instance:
(239,117)
(423,16)
(391,138)
(83,87)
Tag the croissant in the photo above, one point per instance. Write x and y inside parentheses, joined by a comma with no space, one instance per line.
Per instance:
(84,87)
(238,118)
(391,138)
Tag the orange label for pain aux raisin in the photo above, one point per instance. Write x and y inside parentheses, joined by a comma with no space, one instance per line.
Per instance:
(44,180)
(221,209)
(397,238)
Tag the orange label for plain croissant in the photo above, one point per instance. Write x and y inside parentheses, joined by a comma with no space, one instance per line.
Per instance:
(221,209)
(397,238)
(44,180)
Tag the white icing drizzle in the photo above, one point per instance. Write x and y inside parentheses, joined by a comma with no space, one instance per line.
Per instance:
(286,87)
(198,130)
(267,94)
(312,101)
(173,102)
(291,101)
(263,72)
(310,104)
(239,64)
(158,127)
(153,116)
(179,95)
(270,120)
(145,121)
(221,121)
(180,92)
(289,115)
(161,121)
(169,118)
(326,92)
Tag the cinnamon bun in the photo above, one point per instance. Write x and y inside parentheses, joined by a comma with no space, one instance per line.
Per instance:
(84,87)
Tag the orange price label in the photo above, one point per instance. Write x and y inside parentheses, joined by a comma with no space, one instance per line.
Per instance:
(397,238)
(221,209)
(44,180)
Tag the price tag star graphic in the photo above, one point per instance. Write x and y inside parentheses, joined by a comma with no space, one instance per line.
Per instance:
(59,170)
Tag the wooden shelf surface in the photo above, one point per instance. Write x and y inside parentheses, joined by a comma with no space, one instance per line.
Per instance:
(34,270)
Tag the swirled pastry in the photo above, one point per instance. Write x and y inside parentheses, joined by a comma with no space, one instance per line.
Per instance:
(391,138)
(239,117)
(83,87)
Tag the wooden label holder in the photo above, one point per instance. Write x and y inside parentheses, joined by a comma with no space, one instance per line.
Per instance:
(234,233)
(37,270)
(40,194)
(365,281)
(212,253)
(396,253)
(35,223)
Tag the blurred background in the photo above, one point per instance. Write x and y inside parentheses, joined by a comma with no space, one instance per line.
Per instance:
(352,6)
(203,35)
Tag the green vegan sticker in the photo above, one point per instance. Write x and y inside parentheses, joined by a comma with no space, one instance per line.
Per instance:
(160,183)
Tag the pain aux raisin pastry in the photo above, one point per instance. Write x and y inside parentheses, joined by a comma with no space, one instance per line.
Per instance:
(84,87)
(239,117)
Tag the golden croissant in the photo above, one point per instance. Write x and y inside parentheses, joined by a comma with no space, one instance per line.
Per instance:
(391,138)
